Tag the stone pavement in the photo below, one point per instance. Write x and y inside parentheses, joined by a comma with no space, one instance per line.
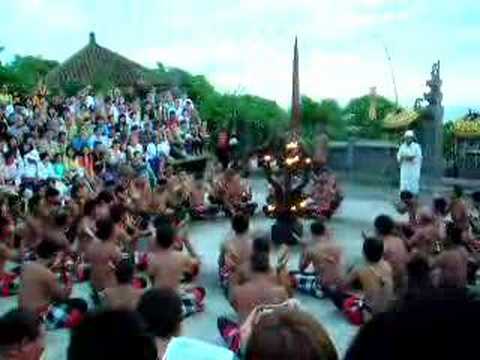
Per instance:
(358,210)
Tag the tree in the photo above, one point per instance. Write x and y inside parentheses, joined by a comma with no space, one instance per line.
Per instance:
(24,72)
(357,116)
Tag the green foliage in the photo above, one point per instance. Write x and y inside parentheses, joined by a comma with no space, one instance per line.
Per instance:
(448,139)
(357,116)
(72,88)
(25,72)
(325,115)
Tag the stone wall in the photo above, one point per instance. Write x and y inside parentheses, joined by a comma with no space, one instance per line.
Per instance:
(373,161)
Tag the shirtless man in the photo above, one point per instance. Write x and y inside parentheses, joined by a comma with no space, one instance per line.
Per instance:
(167,267)
(236,250)
(236,195)
(427,237)
(376,282)
(199,209)
(395,250)
(41,292)
(8,281)
(263,286)
(459,213)
(452,264)
(123,296)
(102,256)
(326,257)
(408,204)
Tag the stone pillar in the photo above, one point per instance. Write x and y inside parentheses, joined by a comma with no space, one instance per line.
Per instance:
(431,131)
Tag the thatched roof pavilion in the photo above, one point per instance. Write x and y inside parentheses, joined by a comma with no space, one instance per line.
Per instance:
(94,63)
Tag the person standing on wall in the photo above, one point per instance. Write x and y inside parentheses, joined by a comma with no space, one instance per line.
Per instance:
(409,157)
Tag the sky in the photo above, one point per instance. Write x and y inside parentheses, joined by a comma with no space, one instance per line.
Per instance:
(246,46)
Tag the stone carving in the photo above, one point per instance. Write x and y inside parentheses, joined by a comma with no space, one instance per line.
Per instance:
(434,97)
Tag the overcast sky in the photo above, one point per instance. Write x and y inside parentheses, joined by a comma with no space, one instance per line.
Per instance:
(246,45)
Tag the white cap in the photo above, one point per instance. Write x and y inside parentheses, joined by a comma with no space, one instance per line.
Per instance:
(409,133)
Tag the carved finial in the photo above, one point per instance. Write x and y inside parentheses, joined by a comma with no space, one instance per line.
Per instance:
(92,38)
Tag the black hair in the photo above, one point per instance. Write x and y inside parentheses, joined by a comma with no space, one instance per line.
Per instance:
(89,207)
(61,219)
(373,249)
(165,236)
(318,228)
(406,195)
(51,192)
(240,223)
(437,327)
(116,334)
(17,326)
(117,211)
(260,262)
(105,197)
(440,205)
(47,249)
(164,323)
(105,229)
(384,224)
(261,244)
(260,258)
(124,271)
(161,220)
(454,234)
(75,189)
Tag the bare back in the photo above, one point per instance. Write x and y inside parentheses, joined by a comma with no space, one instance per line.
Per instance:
(259,291)
(377,286)
(167,268)
(327,260)
(39,287)
(103,257)
(122,297)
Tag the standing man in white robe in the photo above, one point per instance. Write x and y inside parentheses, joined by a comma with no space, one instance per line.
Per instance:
(409,157)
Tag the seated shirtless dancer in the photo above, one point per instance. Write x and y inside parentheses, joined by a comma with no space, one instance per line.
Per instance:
(427,237)
(235,251)
(236,194)
(451,266)
(103,255)
(42,293)
(124,296)
(167,267)
(459,213)
(326,257)
(199,208)
(9,282)
(395,250)
(263,287)
(376,286)
(408,204)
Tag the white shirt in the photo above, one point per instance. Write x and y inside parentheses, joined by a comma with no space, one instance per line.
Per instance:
(45,170)
(151,151)
(410,169)
(163,148)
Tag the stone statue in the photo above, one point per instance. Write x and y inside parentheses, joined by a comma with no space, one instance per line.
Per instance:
(431,131)
(434,96)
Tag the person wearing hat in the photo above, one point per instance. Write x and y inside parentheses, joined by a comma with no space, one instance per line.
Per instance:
(409,157)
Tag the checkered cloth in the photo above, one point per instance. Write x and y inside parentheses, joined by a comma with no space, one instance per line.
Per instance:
(224,272)
(307,283)
(62,315)
(193,301)
(354,309)
(9,284)
(230,333)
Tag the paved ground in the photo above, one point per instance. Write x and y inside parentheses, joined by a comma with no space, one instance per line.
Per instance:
(359,208)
